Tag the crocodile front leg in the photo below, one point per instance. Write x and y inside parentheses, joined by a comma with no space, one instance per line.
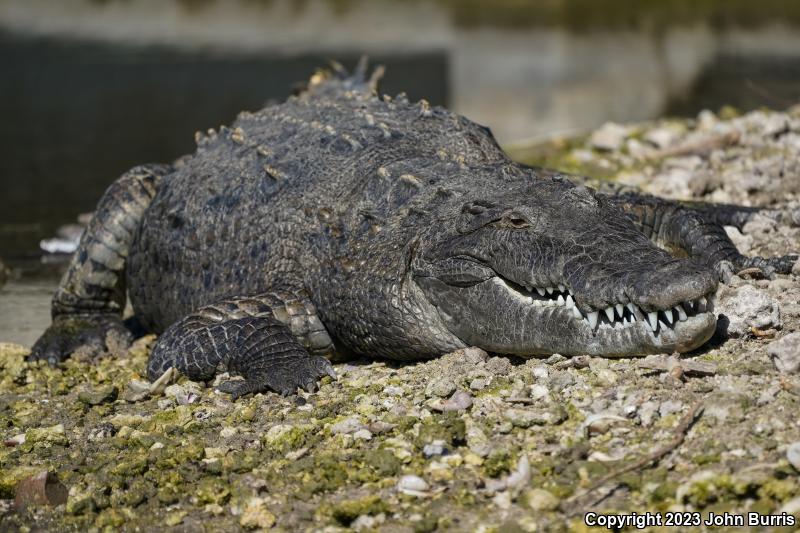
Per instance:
(274,340)
(697,231)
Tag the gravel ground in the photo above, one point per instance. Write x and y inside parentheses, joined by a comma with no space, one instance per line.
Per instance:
(467,442)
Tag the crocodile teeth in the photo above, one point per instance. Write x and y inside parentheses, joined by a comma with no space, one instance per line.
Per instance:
(681,313)
(701,304)
(662,325)
(576,313)
(549,290)
(560,300)
(638,313)
(609,313)
(619,309)
(592,318)
(528,288)
(652,319)
(569,301)
(632,309)
(540,291)
(666,315)
(561,288)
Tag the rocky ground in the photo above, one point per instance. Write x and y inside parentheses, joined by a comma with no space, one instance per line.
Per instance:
(468,442)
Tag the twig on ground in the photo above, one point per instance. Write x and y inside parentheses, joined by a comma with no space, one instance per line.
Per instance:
(761,333)
(678,367)
(698,145)
(577,503)
(521,399)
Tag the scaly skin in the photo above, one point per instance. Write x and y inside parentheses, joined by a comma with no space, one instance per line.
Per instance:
(397,230)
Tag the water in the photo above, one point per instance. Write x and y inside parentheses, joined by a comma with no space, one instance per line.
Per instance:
(25,300)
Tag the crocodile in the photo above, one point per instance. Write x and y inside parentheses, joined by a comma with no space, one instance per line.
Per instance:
(342,222)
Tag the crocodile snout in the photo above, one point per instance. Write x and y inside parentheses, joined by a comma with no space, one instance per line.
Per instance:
(671,284)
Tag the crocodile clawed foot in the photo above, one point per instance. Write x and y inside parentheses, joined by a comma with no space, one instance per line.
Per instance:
(756,267)
(238,388)
(284,379)
(67,334)
(310,386)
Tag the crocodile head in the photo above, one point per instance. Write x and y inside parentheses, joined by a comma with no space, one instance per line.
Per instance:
(552,267)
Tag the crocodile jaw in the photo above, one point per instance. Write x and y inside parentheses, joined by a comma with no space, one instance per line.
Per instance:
(498,317)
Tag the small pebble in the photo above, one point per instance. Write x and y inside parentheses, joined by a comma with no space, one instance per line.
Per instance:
(102,431)
(255,515)
(379,427)
(785,353)
(437,447)
(669,407)
(500,366)
(502,500)
(474,355)
(16,440)
(540,372)
(393,390)
(362,434)
(555,359)
(367,522)
(609,136)
(165,403)
(412,485)
(561,380)
(347,426)
(525,418)
(647,412)
(478,384)
(599,423)
(748,307)
(441,387)
(539,392)
(43,488)
(460,401)
(541,500)
(228,432)
(99,395)
(791,507)
(606,377)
